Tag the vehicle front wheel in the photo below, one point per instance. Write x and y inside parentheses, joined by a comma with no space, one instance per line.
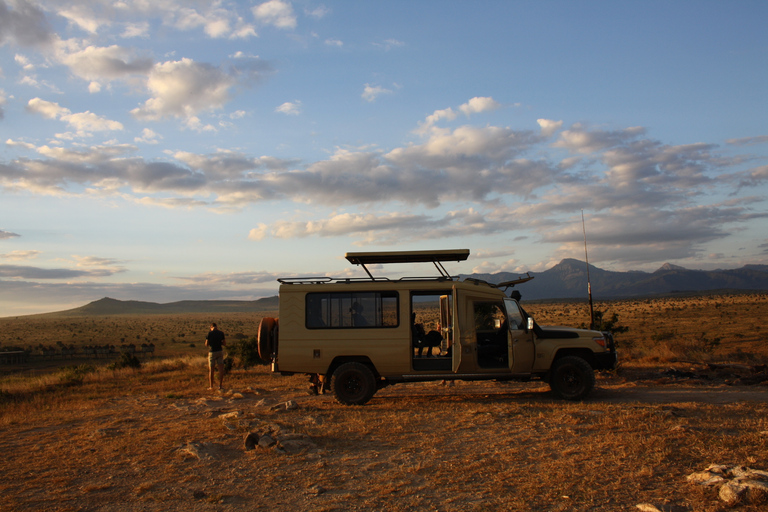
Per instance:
(572,378)
(353,384)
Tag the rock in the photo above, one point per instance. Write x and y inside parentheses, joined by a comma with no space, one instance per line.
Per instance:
(647,507)
(196,450)
(317,490)
(236,396)
(732,492)
(267,441)
(705,478)
(290,405)
(294,446)
(230,415)
(737,483)
(251,441)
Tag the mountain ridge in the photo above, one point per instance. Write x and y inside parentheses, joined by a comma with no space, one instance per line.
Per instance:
(567,280)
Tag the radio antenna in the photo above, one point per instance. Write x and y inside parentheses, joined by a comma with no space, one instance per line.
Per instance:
(589,282)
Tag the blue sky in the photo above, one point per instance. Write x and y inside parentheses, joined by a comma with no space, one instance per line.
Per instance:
(174,150)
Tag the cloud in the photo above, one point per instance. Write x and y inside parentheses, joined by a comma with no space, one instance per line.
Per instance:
(95,63)
(83,17)
(477,105)
(23,23)
(319,12)
(84,123)
(276,13)
(5,235)
(290,108)
(388,44)
(148,136)
(25,272)
(47,109)
(139,29)
(19,255)
(580,140)
(371,92)
(748,141)
(184,88)
(548,127)
(460,181)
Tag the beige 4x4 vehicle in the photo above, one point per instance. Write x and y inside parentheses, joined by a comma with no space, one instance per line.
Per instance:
(355,336)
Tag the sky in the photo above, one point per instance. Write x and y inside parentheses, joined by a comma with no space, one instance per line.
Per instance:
(166,150)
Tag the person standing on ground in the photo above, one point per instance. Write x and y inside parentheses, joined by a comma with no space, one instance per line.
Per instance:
(215,342)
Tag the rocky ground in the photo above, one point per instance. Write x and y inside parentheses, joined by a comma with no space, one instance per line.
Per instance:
(265,444)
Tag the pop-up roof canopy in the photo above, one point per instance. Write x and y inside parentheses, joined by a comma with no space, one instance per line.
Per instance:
(374,258)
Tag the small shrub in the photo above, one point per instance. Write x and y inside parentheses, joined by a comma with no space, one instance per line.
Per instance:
(247,352)
(75,374)
(126,361)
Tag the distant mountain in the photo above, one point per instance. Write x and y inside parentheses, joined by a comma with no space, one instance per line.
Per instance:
(568,279)
(107,306)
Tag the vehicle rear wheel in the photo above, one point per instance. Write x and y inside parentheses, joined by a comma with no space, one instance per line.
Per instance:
(353,384)
(267,337)
(572,378)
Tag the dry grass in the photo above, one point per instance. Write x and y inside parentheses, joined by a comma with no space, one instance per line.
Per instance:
(153,438)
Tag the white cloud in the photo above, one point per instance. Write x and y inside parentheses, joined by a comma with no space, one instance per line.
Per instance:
(371,92)
(19,255)
(580,140)
(334,42)
(23,61)
(549,127)
(87,122)
(139,29)
(94,87)
(148,137)
(102,63)
(275,12)
(83,123)
(479,104)
(184,88)
(83,17)
(47,109)
(290,108)
(318,12)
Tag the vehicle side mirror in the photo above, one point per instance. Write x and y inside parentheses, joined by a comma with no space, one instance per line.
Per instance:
(530,323)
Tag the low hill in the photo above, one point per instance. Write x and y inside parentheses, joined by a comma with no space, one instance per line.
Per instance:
(108,306)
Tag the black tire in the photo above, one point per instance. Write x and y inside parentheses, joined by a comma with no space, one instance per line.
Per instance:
(353,384)
(266,338)
(572,378)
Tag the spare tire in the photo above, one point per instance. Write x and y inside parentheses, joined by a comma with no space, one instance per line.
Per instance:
(267,338)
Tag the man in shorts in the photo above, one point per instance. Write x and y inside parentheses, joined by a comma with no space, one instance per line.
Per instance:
(215,342)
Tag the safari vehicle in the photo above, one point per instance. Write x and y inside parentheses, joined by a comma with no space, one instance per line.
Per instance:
(355,336)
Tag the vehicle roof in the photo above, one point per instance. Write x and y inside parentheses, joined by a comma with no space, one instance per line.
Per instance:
(367,258)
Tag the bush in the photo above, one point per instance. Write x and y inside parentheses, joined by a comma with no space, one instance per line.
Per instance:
(247,352)
(126,361)
(76,374)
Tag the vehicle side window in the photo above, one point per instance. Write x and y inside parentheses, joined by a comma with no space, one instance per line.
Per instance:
(489,316)
(516,318)
(351,310)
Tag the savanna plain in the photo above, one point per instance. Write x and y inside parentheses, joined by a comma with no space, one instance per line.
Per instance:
(107,432)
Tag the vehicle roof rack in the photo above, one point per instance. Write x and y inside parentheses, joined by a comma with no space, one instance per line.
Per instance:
(435,257)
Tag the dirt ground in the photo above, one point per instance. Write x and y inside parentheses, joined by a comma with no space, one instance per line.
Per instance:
(468,446)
